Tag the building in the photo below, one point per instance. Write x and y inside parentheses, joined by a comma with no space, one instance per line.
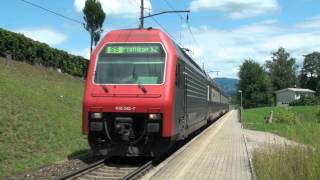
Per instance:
(285,96)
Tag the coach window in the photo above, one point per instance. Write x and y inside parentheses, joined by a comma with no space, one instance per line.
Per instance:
(178,75)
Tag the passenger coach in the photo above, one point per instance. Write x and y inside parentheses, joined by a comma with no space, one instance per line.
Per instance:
(143,93)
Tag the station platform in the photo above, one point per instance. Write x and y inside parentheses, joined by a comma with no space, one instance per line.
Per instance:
(217,153)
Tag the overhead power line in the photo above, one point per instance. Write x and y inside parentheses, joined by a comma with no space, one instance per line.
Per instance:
(165,30)
(53,12)
(187,23)
(170,6)
(159,24)
(165,12)
(188,26)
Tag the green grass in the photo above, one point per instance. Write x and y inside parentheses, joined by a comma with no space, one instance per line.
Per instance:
(40,116)
(287,163)
(303,131)
(301,124)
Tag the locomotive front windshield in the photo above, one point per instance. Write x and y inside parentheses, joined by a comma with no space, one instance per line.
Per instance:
(130,64)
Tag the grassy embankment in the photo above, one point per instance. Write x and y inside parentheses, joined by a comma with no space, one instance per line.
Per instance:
(301,124)
(40,116)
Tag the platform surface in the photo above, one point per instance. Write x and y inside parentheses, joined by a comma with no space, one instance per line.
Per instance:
(218,153)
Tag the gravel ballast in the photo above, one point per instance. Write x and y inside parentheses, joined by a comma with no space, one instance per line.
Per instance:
(58,169)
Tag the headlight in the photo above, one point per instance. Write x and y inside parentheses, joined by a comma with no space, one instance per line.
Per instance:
(96,116)
(154,116)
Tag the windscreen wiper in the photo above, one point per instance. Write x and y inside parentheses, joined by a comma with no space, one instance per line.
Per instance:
(144,90)
(105,88)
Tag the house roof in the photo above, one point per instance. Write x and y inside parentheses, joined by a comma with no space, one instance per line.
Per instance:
(296,90)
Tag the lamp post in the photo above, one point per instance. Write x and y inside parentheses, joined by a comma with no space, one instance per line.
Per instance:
(240,91)
(241,106)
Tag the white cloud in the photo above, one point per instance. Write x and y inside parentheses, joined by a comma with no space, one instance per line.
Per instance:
(225,49)
(46,35)
(314,22)
(121,8)
(237,9)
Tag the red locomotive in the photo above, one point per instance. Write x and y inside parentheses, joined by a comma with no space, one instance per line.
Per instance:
(143,93)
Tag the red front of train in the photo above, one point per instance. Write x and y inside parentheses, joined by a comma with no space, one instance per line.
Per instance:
(128,103)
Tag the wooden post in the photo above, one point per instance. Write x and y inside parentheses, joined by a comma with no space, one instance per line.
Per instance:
(8,58)
(269,118)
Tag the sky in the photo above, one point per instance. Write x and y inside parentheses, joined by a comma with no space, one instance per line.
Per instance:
(220,33)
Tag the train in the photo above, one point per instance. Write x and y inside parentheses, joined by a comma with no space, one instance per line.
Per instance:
(144,93)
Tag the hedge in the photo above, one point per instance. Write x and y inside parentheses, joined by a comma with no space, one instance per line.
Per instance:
(306,101)
(21,48)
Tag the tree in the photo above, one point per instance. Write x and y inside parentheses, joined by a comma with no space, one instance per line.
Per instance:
(255,85)
(282,69)
(310,73)
(21,48)
(94,17)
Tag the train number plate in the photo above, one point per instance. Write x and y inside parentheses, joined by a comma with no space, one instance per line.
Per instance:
(125,108)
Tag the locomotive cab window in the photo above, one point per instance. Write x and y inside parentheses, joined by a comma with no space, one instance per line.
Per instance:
(131,63)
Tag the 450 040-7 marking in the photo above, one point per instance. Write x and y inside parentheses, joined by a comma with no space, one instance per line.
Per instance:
(125,108)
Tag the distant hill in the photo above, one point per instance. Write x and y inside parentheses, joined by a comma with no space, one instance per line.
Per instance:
(229,85)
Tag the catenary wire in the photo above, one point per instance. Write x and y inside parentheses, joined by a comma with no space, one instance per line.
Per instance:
(188,26)
(53,12)
(159,24)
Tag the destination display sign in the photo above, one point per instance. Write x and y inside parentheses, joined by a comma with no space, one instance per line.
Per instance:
(148,49)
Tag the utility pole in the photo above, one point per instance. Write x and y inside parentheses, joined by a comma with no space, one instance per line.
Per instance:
(142,15)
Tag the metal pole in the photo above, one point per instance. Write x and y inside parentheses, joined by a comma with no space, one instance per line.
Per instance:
(241,101)
(241,109)
(142,15)
(241,106)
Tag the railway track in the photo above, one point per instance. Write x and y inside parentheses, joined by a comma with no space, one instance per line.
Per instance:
(107,170)
(124,169)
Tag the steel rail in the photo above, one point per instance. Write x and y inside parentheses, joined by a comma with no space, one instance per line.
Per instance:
(139,172)
(82,170)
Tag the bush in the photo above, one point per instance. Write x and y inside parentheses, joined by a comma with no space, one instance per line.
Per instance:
(286,116)
(318,117)
(21,48)
(306,101)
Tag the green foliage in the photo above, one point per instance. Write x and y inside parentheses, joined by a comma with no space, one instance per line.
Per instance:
(94,17)
(286,116)
(288,162)
(318,117)
(40,117)
(255,85)
(305,131)
(282,69)
(21,48)
(306,101)
(310,73)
